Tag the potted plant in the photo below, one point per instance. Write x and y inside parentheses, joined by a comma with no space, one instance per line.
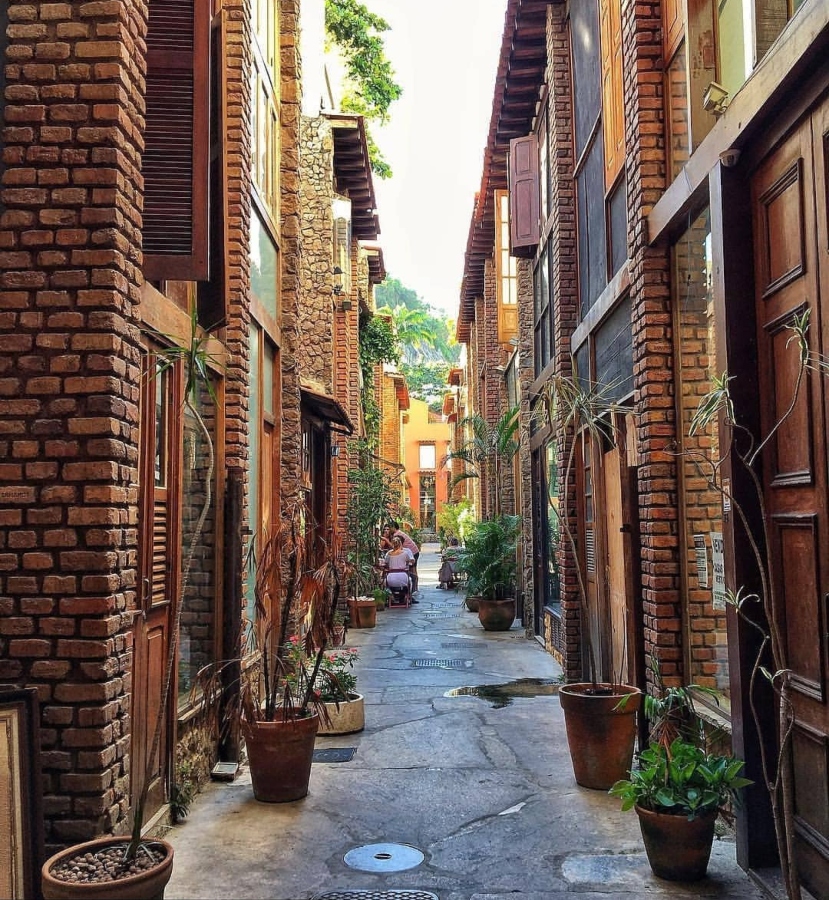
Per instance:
(678,791)
(488,559)
(277,706)
(337,687)
(362,612)
(600,713)
(381,597)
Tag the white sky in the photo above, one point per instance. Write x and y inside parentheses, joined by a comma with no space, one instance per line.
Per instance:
(445,55)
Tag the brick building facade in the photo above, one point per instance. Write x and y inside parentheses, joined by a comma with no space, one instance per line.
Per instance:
(107,265)
(648,264)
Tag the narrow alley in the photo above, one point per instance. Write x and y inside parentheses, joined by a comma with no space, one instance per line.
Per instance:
(474,792)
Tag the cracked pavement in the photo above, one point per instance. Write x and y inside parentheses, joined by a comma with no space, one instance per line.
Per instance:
(484,790)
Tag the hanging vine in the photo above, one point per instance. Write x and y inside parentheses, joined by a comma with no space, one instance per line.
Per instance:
(378,344)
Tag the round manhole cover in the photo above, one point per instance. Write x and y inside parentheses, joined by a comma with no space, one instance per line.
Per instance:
(383,857)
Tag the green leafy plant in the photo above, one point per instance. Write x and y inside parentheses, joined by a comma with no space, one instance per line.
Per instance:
(370,498)
(377,344)
(357,32)
(671,712)
(681,780)
(488,559)
(485,453)
(456,520)
(338,680)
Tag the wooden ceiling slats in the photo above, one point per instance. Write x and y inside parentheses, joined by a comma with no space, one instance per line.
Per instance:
(352,171)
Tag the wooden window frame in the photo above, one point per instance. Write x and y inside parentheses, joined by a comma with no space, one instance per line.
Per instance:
(613,117)
(506,282)
(266,109)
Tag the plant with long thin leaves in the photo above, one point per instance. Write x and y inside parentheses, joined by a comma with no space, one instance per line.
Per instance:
(574,410)
(196,360)
(485,453)
(742,446)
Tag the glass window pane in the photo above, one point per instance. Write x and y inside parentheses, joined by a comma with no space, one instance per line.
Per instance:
(706,625)
(264,265)
(427,456)
(254,466)
(267,379)
(162,388)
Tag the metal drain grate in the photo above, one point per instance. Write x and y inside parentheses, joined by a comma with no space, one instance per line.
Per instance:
(334,754)
(377,895)
(440,615)
(457,645)
(441,663)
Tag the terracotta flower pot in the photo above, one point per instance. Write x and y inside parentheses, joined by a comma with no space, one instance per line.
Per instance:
(472,602)
(601,731)
(280,756)
(362,612)
(677,849)
(346,718)
(496,615)
(148,885)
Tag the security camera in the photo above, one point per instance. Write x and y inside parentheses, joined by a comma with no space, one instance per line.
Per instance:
(730,158)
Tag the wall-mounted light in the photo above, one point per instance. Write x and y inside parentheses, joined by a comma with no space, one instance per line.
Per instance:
(715,99)
(345,304)
(335,449)
(338,281)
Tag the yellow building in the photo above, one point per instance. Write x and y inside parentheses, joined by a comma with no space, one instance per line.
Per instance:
(426,437)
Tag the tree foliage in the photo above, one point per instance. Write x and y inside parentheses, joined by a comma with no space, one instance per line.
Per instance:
(377,344)
(357,32)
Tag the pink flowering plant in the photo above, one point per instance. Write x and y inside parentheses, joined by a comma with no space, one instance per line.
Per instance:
(337,681)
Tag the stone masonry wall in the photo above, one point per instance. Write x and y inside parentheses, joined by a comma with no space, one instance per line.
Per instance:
(526,377)
(316,314)
(290,247)
(69,378)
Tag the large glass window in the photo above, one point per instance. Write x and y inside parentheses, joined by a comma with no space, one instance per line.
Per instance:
(428,458)
(427,502)
(705,610)
(506,273)
(543,311)
(265,104)
(264,266)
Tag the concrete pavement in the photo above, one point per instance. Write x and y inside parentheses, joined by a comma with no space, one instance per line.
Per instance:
(481,786)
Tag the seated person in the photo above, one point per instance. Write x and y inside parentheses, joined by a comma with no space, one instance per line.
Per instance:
(449,564)
(398,563)
(409,545)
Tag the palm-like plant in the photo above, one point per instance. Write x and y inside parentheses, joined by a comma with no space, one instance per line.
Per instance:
(486,452)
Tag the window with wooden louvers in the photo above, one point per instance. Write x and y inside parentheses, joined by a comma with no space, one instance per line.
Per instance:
(177,141)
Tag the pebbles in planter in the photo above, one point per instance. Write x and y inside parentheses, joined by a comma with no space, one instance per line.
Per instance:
(107,864)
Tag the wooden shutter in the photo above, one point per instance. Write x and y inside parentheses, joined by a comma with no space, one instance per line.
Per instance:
(524,194)
(177,141)
(613,117)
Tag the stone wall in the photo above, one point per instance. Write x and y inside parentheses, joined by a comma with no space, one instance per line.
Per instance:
(290,249)
(526,377)
(70,255)
(316,314)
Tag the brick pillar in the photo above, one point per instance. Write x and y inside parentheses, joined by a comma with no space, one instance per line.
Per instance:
(70,250)
(652,335)
(566,296)
(526,376)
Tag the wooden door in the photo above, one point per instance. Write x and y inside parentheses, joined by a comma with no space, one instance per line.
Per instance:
(791,271)
(159,563)
(616,582)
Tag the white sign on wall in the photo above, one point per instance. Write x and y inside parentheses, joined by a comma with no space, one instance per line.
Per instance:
(718,561)
(701,553)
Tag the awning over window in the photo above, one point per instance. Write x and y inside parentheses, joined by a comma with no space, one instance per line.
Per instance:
(326,408)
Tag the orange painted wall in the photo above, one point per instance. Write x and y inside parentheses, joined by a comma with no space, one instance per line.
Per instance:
(422,428)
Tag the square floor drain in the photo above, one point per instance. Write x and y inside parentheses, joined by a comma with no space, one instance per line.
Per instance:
(441,663)
(377,895)
(334,754)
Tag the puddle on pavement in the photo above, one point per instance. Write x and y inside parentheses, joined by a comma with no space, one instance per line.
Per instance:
(501,695)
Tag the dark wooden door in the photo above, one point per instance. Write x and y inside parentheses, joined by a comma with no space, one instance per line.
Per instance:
(159,565)
(791,268)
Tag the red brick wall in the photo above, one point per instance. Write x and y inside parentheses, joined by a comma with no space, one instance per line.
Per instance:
(652,335)
(565,293)
(69,376)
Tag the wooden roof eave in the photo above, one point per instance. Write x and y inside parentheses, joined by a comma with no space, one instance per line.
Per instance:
(520,75)
(352,172)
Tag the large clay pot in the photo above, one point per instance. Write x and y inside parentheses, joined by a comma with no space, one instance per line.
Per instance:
(496,615)
(280,755)
(472,602)
(362,613)
(147,885)
(346,717)
(677,849)
(601,731)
